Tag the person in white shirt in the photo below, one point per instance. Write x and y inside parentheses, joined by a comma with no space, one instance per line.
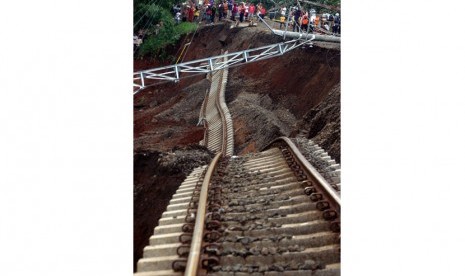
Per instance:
(178,17)
(135,38)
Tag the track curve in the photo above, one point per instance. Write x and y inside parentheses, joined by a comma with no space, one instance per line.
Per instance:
(276,212)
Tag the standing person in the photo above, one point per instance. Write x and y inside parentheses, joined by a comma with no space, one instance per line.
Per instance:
(282,21)
(312,16)
(304,22)
(209,14)
(191,14)
(213,13)
(196,13)
(241,12)
(234,12)
(225,9)
(324,19)
(177,17)
(259,8)
(337,24)
(230,7)
(220,11)
(317,21)
(185,13)
(263,12)
(135,40)
(251,12)
(297,14)
(331,22)
(283,11)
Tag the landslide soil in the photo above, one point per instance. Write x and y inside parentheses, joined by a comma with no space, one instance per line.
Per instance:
(294,94)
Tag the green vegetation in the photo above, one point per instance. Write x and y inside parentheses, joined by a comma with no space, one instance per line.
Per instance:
(156,21)
(185,27)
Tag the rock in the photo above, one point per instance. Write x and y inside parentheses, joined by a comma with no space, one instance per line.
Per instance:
(310,265)
(273,250)
(236,267)
(265,251)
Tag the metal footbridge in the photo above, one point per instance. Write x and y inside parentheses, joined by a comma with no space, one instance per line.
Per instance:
(154,76)
(150,77)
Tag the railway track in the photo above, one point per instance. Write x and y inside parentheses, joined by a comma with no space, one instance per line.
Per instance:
(215,115)
(276,212)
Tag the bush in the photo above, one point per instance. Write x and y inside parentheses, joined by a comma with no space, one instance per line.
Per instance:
(157,38)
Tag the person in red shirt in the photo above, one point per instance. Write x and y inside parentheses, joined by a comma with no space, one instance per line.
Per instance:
(261,11)
(304,23)
(234,12)
(251,11)
(191,14)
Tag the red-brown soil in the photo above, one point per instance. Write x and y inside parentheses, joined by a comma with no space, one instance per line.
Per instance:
(150,196)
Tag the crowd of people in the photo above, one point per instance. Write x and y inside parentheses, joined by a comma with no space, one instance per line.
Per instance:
(307,20)
(212,12)
(300,20)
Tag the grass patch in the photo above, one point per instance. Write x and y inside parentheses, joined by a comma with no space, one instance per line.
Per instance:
(185,27)
(154,45)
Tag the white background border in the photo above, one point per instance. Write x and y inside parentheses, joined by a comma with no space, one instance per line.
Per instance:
(66,139)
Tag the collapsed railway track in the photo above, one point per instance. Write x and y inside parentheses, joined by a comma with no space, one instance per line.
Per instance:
(215,116)
(276,212)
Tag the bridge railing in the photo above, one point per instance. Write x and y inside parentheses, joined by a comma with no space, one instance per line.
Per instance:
(154,76)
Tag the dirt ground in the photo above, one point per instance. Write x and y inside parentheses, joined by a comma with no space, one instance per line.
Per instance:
(298,92)
(157,176)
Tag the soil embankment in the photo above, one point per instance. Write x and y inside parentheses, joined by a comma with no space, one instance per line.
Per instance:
(298,92)
(157,176)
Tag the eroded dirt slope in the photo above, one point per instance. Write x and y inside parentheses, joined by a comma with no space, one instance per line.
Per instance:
(322,124)
(157,175)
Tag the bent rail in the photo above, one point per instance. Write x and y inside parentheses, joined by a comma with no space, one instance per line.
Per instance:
(196,244)
(215,115)
(262,194)
(322,186)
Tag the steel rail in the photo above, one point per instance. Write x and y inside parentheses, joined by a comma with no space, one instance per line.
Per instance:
(220,109)
(223,117)
(193,261)
(197,237)
(214,109)
(319,179)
